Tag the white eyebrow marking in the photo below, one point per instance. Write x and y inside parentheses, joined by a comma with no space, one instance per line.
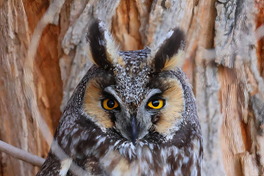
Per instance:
(112,91)
(152,92)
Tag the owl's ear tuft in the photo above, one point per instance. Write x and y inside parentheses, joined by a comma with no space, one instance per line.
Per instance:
(103,49)
(166,56)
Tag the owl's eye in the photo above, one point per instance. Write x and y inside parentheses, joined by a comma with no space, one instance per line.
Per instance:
(156,104)
(109,104)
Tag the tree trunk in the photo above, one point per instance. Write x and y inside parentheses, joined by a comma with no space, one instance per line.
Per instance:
(43,57)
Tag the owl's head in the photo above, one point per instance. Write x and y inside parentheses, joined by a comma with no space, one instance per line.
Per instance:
(135,93)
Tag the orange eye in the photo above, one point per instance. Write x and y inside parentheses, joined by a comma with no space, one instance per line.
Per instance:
(156,104)
(109,104)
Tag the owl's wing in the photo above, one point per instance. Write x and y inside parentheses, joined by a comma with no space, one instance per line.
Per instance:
(51,167)
(59,162)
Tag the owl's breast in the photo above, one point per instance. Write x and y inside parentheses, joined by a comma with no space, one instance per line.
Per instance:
(152,159)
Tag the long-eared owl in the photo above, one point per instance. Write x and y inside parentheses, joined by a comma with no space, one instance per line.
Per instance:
(133,113)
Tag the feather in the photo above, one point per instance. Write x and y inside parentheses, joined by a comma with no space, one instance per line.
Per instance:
(170,47)
(103,49)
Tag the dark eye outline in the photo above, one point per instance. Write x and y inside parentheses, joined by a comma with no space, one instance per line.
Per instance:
(107,97)
(149,105)
(104,104)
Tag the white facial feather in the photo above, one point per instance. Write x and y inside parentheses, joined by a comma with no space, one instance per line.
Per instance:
(156,45)
(111,46)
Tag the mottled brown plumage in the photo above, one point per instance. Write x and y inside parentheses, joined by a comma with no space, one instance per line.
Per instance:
(130,115)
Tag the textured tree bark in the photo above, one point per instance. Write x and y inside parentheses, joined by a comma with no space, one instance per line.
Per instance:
(18,125)
(224,61)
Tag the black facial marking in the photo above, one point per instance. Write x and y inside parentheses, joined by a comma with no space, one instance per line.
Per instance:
(112,117)
(103,78)
(157,81)
(155,118)
(98,45)
(169,48)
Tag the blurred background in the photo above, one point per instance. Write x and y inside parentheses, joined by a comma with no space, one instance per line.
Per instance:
(43,56)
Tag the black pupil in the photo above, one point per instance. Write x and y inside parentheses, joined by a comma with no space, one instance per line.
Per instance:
(155,103)
(110,103)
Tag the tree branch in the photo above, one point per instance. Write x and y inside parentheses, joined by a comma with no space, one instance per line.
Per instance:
(21,154)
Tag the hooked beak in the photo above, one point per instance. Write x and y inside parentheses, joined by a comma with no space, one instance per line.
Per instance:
(133,130)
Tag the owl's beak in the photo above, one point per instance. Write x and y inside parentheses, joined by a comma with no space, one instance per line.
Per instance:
(133,130)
